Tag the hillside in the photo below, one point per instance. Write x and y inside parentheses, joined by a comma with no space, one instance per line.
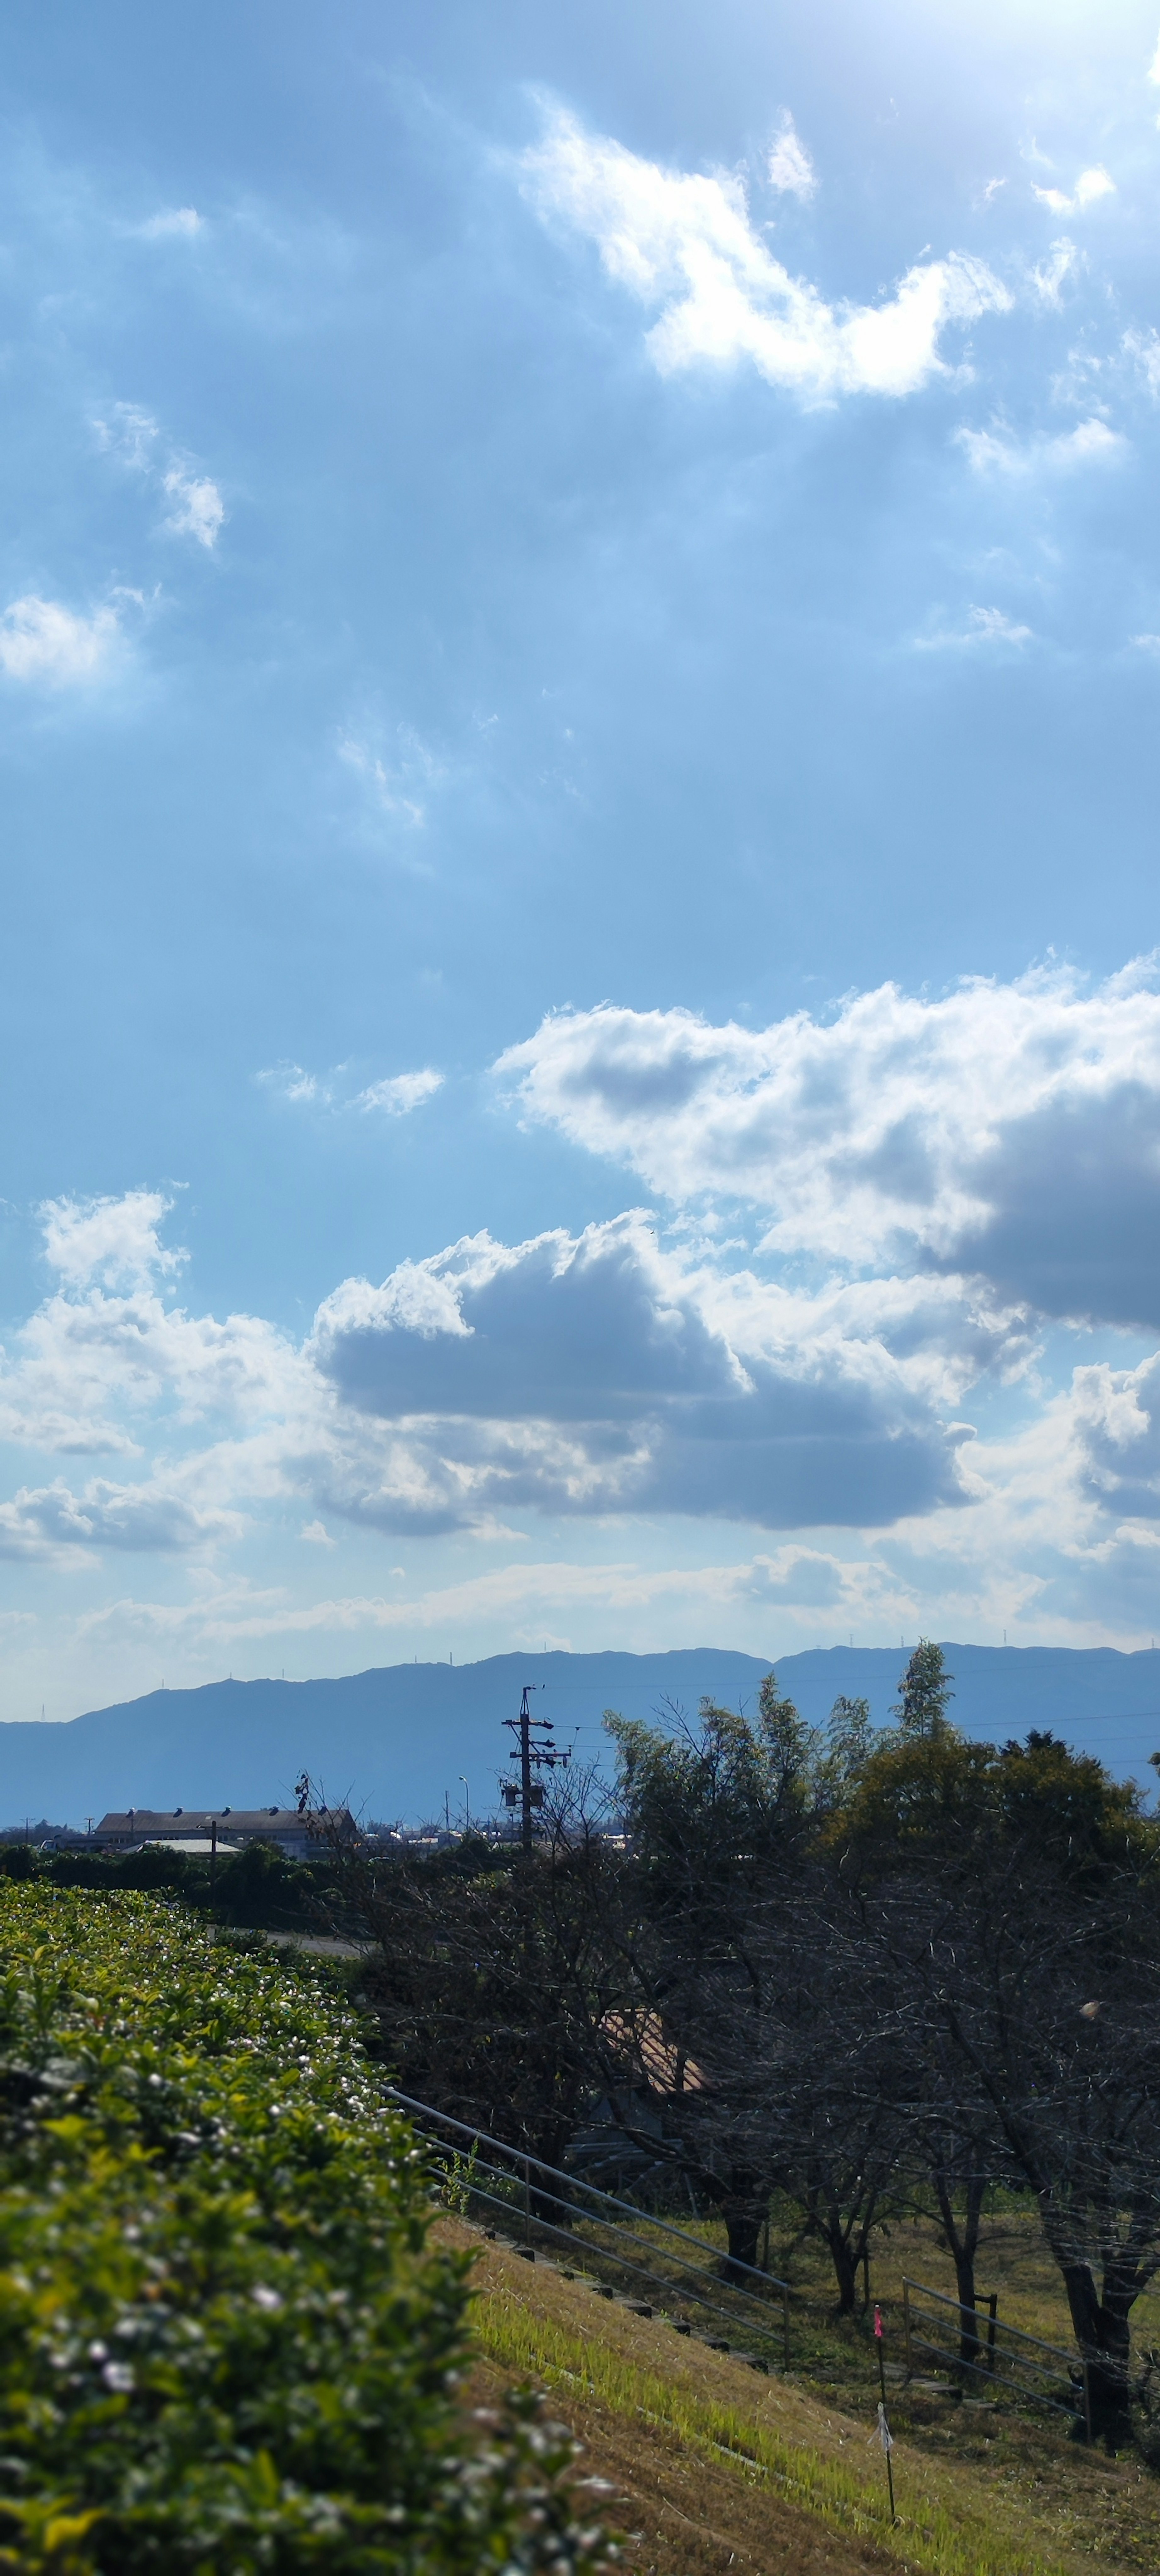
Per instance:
(717,2467)
(397,1739)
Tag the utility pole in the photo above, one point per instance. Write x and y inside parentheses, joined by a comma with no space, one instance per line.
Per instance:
(542,1753)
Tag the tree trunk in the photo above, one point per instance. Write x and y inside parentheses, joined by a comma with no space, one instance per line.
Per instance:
(845,2270)
(1102,2335)
(743,2219)
(962,2246)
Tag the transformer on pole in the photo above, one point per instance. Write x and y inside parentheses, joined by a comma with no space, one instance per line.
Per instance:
(536,1750)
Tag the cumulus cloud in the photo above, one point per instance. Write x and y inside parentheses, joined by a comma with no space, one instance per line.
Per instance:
(41,640)
(684,244)
(607,1374)
(1090,186)
(1010,1131)
(110,1241)
(136,1518)
(789,168)
(994,452)
(598,1373)
(578,1375)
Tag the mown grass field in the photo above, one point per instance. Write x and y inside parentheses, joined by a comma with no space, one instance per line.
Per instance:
(718,2465)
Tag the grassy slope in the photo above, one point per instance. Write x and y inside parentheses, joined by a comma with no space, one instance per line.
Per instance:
(717,2464)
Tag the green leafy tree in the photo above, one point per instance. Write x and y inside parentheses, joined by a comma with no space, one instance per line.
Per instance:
(924,1692)
(849,1742)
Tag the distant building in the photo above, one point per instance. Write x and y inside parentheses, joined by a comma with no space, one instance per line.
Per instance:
(191,1829)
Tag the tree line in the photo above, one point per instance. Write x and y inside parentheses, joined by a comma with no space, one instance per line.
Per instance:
(843,1965)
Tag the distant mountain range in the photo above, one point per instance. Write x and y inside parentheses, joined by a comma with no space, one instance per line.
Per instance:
(401,1740)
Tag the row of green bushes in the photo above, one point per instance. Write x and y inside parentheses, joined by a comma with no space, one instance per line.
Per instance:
(258,1887)
(226,2343)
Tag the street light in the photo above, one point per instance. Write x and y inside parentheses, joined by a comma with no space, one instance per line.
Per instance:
(466,1805)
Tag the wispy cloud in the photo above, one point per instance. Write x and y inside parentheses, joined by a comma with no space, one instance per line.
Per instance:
(173,223)
(198,509)
(789,168)
(137,441)
(42,640)
(996,452)
(396,1096)
(1048,276)
(684,243)
(402,784)
(401,1093)
(984,626)
(1090,186)
(1143,349)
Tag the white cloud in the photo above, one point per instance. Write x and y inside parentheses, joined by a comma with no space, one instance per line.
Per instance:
(135,438)
(397,1095)
(984,626)
(684,243)
(42,640)
(1090,186)
(1154,67)
(1143,348)
(130,434)
(401,784)
(1092,443)
(1048,277)
(602,1374)
(115,1242)
(294,1083)
(198,509)
(790,169)
(401,1093)
(174,223)
(1007,1130)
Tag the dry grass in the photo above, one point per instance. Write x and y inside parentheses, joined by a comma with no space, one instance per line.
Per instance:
(738,2461)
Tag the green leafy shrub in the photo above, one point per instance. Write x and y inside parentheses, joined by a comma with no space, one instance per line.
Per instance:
(257,1886)
(225,2344)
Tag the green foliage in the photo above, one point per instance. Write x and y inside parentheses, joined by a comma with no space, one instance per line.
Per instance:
(225,2344)
(257,1887)
(924,1690)
(701,1803)
(849,1742)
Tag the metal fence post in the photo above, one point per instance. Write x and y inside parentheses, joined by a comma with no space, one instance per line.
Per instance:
(527,2200)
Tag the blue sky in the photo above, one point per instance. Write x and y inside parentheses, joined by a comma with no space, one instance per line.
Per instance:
(579,672)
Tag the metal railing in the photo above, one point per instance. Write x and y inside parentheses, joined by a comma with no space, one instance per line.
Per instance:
(1008,2358)
(612,2235)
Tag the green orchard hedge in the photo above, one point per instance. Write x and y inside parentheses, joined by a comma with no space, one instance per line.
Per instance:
(225,2343)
